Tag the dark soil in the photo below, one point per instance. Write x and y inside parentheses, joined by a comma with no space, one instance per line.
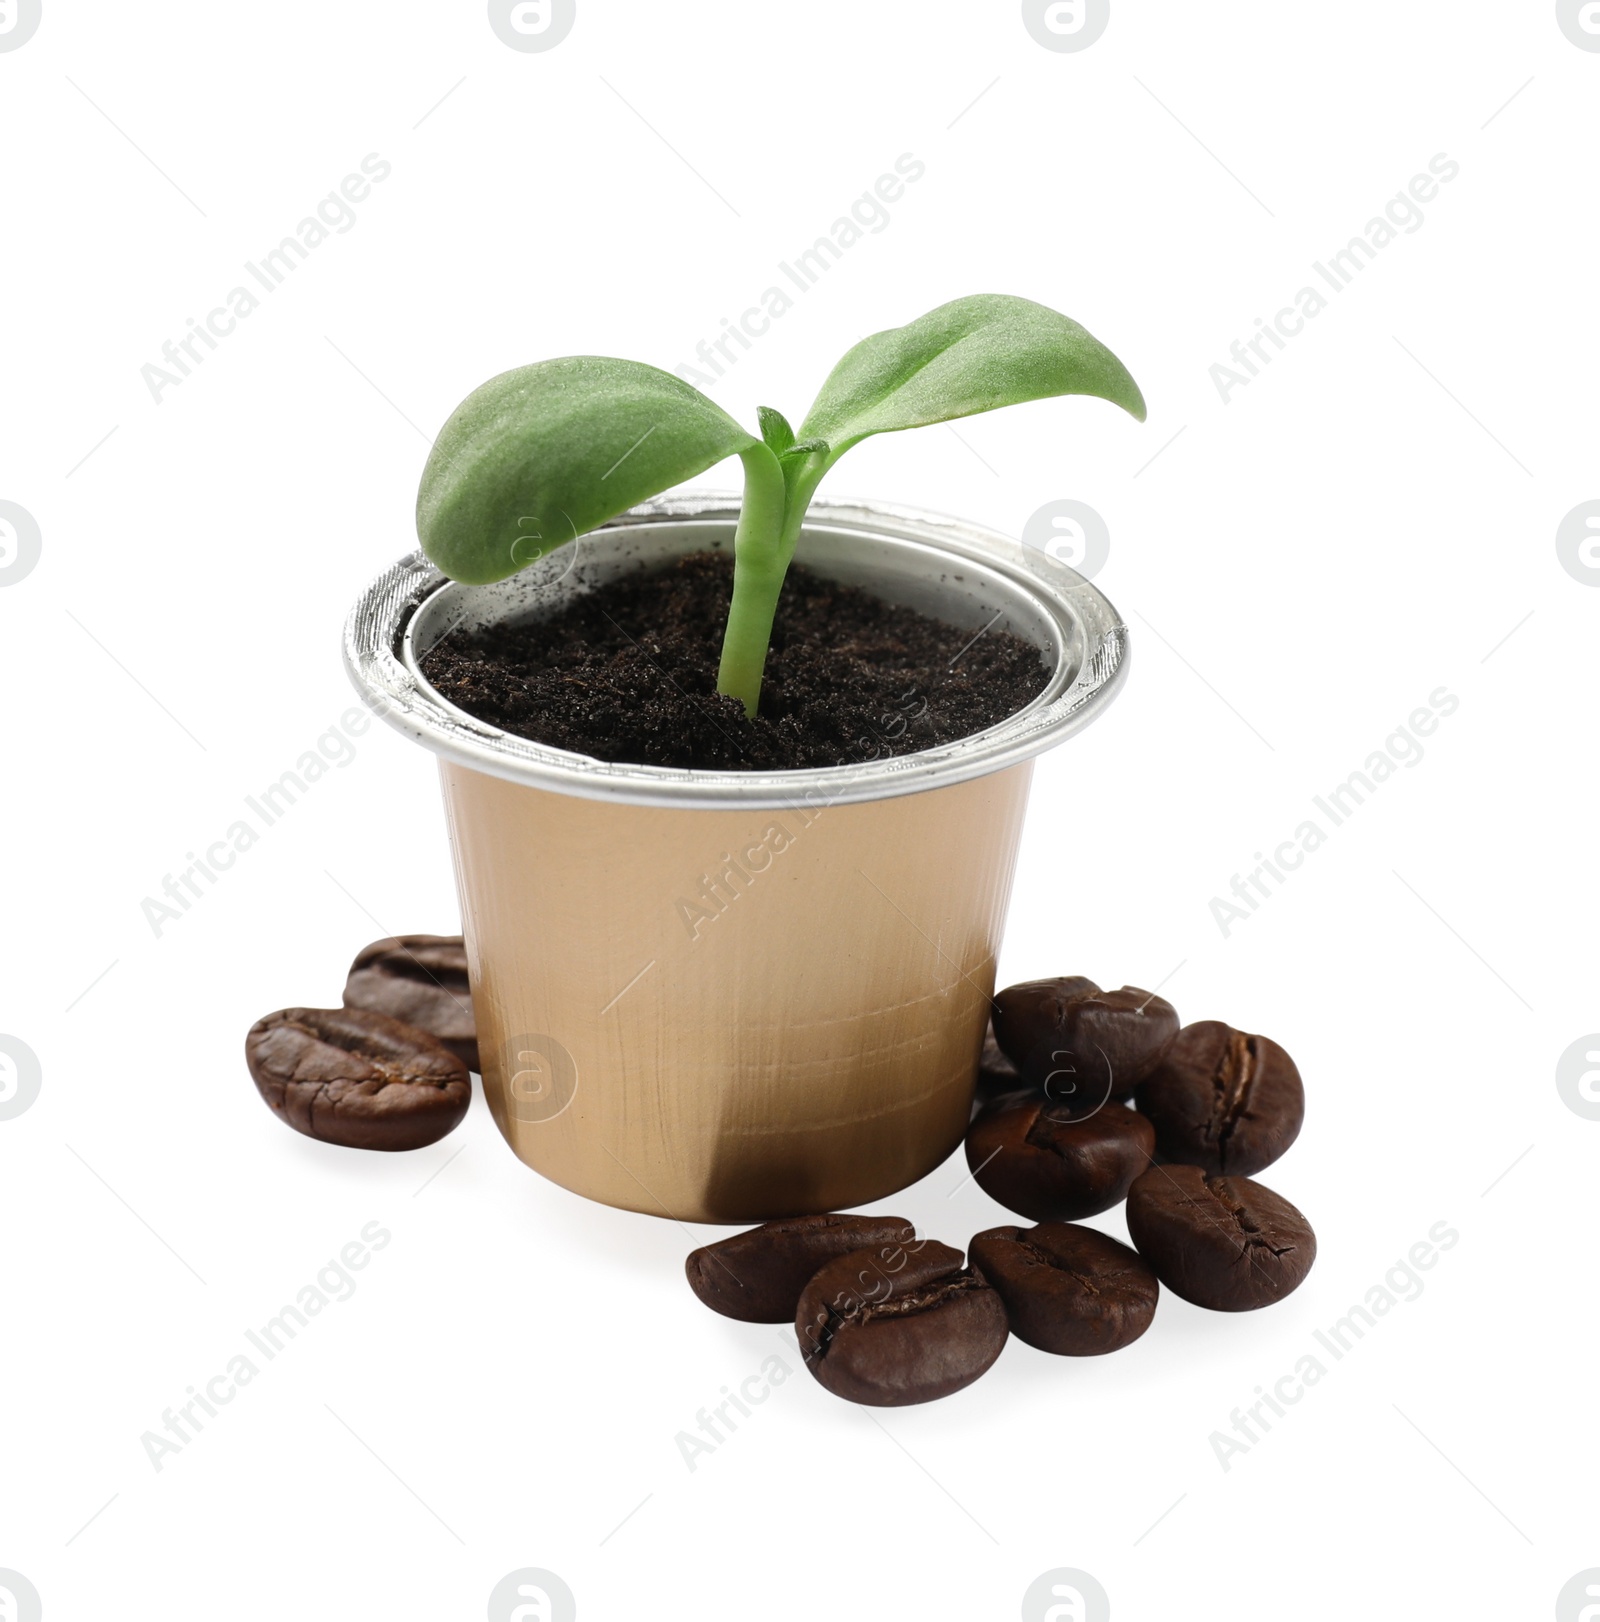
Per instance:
(629,673)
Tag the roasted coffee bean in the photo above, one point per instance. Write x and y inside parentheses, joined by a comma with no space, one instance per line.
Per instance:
(1050,1163)
(1069,1290)
(1222,1100)
(996,1073)
(358,1078)
(1083,1046)
(899,1324)
(1221,1242)
(758,1276)
(1025,1014)
(422,980)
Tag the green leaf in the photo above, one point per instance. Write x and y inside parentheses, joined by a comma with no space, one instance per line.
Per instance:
(775,429)
(975,354)
(540,455)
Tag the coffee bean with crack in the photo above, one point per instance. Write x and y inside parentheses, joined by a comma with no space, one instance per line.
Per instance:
(1051,1163)
(357,1078)
(421,980)
(757,1276)
(1079,1045)
(900,1324)
(1226,1243)
(1073,1291)
(1223,1100)
(1025,1014)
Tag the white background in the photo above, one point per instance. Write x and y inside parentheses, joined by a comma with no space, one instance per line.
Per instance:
(1371,519)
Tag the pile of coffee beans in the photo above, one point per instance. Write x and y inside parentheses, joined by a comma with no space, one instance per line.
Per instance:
(388,1070)
(1085,1098)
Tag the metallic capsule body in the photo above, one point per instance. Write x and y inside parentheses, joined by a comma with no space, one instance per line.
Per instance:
(725,996)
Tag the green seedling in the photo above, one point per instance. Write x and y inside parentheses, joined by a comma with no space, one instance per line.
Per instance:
(538,456)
